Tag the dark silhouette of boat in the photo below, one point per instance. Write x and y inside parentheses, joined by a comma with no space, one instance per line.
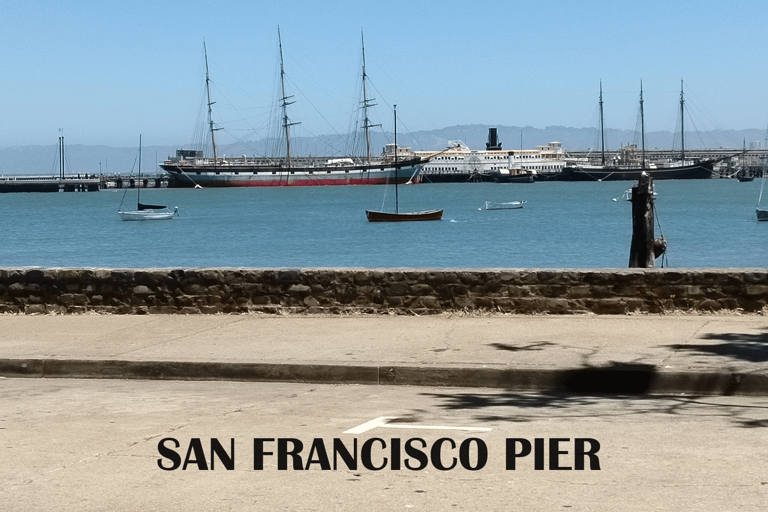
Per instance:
(631,171)
(397,215)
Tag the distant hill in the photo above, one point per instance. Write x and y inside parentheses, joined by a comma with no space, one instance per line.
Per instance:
(85,159)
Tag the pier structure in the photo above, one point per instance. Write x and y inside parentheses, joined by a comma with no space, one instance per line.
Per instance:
(88,183)
(78,183)
(129,181)
(732,163)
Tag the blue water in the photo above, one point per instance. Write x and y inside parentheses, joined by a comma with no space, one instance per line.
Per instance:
(707,223)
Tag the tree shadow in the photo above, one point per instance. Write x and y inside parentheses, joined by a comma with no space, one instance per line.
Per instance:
(583,392)
(540,345)
(738,346)
(614,378)
(526,407)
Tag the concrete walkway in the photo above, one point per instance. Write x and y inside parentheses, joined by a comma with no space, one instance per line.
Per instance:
(581,353)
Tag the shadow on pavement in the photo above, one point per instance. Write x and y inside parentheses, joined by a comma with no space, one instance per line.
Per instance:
(616,378)
(739,346)
(540,345)
(524,407)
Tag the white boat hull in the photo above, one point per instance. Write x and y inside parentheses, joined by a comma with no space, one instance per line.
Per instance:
(149,214)
(512,205)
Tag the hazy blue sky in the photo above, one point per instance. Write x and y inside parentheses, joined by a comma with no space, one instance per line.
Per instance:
(105,72)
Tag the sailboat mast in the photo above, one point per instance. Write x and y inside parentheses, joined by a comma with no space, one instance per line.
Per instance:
(396,198)
(366,104)
(138,195)
(762,181)
(210,104)
(602,125)
(642,126)
(61,154)
(744,159)
(284,104)
(682,124)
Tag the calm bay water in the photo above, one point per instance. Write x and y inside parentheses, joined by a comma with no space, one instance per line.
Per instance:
(707,223)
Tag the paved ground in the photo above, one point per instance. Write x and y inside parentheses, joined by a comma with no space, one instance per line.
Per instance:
(80,445)
(717,354)
(82,421)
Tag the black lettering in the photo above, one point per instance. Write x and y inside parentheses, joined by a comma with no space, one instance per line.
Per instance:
(228,459)
(436,448)
(416,454)
(197,447)
(169,454)
(395,453)
(349,459)
(318,447)
(365,455)
(259,453)
(538,454)
(283,453)
(513,454)
(594,461)
(554,454)
(482,454)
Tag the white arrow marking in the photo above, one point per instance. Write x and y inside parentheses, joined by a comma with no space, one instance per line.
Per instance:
(382,422)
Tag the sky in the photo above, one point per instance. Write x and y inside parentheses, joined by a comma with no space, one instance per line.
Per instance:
(101,73)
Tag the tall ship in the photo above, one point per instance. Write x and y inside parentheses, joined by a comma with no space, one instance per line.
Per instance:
(189,168)
(629,164)
(192,168)
(460,164)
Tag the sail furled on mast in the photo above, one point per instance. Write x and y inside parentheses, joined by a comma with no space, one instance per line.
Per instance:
(211,125)
(602,127)
(361,137)
(365,105)
(284,104)
(202,141)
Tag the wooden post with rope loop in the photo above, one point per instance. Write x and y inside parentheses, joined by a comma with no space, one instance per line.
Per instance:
(644,248)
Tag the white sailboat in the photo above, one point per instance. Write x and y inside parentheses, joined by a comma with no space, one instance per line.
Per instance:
(762,213)
(145,211)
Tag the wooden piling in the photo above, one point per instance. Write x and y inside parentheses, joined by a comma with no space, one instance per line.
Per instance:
(641,251)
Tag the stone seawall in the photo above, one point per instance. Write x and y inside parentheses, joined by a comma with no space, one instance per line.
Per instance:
(406,291)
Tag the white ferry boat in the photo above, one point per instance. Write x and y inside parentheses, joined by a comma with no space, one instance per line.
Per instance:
(460,164)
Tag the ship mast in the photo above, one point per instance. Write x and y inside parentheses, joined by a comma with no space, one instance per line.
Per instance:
(682,123)
(284,103)
(61,153)
(138,185)
(396,197)
(367,103)
(210,104)
(642,127)
(602,127)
